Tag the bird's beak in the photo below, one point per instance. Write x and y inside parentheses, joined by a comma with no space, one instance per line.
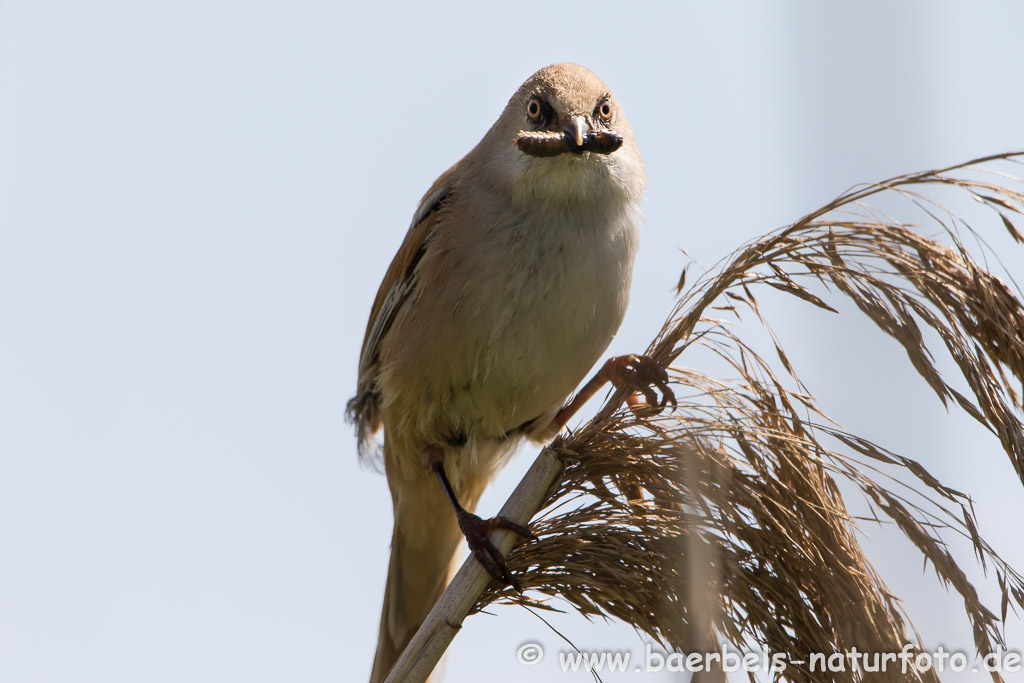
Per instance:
(577,130)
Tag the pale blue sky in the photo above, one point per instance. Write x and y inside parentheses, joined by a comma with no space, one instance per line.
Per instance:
(198,200)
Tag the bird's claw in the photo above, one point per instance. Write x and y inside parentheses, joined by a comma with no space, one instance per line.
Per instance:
(641,374)
(476,530)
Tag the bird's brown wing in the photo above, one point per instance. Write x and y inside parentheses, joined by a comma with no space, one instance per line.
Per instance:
(399,282)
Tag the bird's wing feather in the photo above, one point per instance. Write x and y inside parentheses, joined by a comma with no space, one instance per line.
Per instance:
(399,282)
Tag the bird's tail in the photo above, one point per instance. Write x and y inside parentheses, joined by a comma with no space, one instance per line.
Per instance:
(423,545)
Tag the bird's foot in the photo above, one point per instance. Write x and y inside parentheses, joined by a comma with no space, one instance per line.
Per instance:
(476,529)
(640,375)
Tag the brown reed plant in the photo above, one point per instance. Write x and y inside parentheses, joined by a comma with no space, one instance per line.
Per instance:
(722,520)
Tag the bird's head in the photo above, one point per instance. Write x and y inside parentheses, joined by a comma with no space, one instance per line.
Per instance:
(564,134)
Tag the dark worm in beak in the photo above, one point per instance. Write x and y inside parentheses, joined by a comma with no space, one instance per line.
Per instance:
(542,144)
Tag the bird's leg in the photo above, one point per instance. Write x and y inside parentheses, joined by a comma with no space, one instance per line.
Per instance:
(476,529)
(636,373)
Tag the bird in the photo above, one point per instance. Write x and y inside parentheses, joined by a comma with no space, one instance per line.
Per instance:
(512,280)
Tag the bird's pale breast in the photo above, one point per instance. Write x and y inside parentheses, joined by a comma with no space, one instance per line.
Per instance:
(540,294)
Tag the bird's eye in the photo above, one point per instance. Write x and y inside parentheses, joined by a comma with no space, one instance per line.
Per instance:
(533,109)
(604,110)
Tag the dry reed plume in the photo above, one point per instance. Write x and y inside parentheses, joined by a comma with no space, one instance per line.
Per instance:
(722,519)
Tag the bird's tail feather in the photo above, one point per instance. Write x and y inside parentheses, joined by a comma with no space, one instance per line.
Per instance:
(423,545)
